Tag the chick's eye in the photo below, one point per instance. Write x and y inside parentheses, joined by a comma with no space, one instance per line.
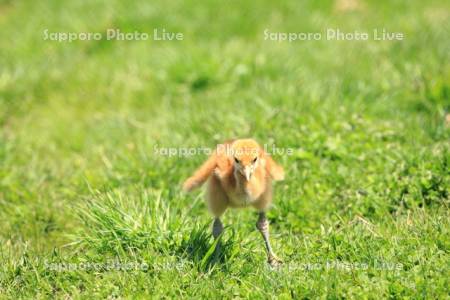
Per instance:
(255,159)
(236,160)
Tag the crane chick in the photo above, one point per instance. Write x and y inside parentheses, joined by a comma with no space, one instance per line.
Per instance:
(239,174)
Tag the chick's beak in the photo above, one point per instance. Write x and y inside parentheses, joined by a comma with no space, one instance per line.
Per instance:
(248,173)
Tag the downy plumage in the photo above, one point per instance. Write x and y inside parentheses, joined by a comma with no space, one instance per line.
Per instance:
(239,174)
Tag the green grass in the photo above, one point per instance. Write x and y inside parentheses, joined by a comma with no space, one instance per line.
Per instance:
(80,181)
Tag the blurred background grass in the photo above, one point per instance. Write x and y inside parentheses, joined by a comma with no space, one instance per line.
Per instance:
(80,122)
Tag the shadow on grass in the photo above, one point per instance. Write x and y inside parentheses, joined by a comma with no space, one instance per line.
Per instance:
(205,252)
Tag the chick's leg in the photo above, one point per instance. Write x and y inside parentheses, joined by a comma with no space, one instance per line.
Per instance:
(217,203)
(263,227)
(217,228)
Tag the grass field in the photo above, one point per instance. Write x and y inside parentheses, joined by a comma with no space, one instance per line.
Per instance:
(85,185)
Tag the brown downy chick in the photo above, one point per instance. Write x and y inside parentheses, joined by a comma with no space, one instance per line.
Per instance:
(239,174)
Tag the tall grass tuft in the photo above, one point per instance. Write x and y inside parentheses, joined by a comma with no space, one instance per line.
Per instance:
(119,222)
